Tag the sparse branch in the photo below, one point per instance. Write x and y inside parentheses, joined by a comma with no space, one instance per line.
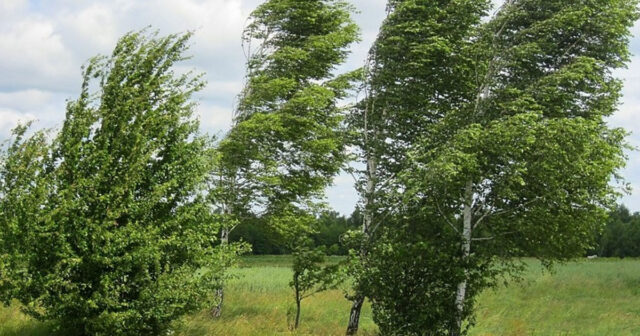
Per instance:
(488,213)
(446,218)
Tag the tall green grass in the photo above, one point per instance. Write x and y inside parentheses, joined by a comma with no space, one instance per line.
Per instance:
(598,298)
(588,298)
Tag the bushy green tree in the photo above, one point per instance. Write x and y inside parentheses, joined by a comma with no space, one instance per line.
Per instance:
(261,236)
(113,235)
(330,228)
(521,160)
(414,76)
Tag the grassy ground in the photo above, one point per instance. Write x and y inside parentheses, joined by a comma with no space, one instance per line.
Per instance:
(585,298)
(589,298)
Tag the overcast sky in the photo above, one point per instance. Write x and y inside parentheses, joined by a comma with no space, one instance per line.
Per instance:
(43,44)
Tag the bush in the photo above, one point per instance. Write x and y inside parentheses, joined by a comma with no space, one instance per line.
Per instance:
(106,229)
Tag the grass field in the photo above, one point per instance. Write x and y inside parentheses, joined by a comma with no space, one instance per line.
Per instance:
(587,298)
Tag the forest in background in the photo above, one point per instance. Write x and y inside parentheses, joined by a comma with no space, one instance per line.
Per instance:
(620,237)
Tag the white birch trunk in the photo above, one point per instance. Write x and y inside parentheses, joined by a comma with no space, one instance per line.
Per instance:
(372,166)
(224,240)
(466,251)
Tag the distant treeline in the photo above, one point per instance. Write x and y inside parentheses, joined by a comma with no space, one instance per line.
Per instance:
(330,227)
(620,237)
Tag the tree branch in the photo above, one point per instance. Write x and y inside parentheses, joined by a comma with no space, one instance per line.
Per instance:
(446,219)
(505,211)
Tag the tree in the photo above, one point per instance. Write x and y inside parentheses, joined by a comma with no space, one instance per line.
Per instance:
(409,85)
(286,144)
(621,236)
(124,241)
(24,189)
(310,276)
(262,237)
(331,226)
(521,160)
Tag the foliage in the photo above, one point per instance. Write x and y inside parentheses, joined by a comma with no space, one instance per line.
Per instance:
(264,240)
(25,181)
(310,276)
(286,144)
(114,235)
(511,155)
(414,279)
(621,236)
(329,229)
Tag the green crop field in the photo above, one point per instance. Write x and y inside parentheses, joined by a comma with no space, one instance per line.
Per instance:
(599,298)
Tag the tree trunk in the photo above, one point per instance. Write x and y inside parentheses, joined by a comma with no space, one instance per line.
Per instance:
(297,321)
(217,311)
(466,251)
(296,288)
(356,307)
(354,316)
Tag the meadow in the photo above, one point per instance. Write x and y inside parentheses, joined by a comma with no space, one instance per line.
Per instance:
(586,298)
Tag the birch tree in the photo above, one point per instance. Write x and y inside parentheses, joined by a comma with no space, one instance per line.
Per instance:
(520,165)
(287,142)
(409,85)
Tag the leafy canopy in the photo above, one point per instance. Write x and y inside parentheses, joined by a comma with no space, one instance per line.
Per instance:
(117,237)
(286,145)
(508,155)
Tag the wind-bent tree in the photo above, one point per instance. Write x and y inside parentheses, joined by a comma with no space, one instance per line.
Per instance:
(286,144)
(24,191)
(409,85)
(518,164)
(113,234)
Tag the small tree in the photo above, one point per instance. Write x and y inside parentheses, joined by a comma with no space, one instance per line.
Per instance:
(124,241)
(310,276)
(621,235)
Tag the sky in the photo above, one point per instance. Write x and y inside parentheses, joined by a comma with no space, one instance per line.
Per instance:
(44,43)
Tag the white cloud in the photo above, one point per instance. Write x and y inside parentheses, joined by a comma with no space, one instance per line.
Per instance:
(90,29)
(33,55)
(9,8)
(214,119)
(25,100)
